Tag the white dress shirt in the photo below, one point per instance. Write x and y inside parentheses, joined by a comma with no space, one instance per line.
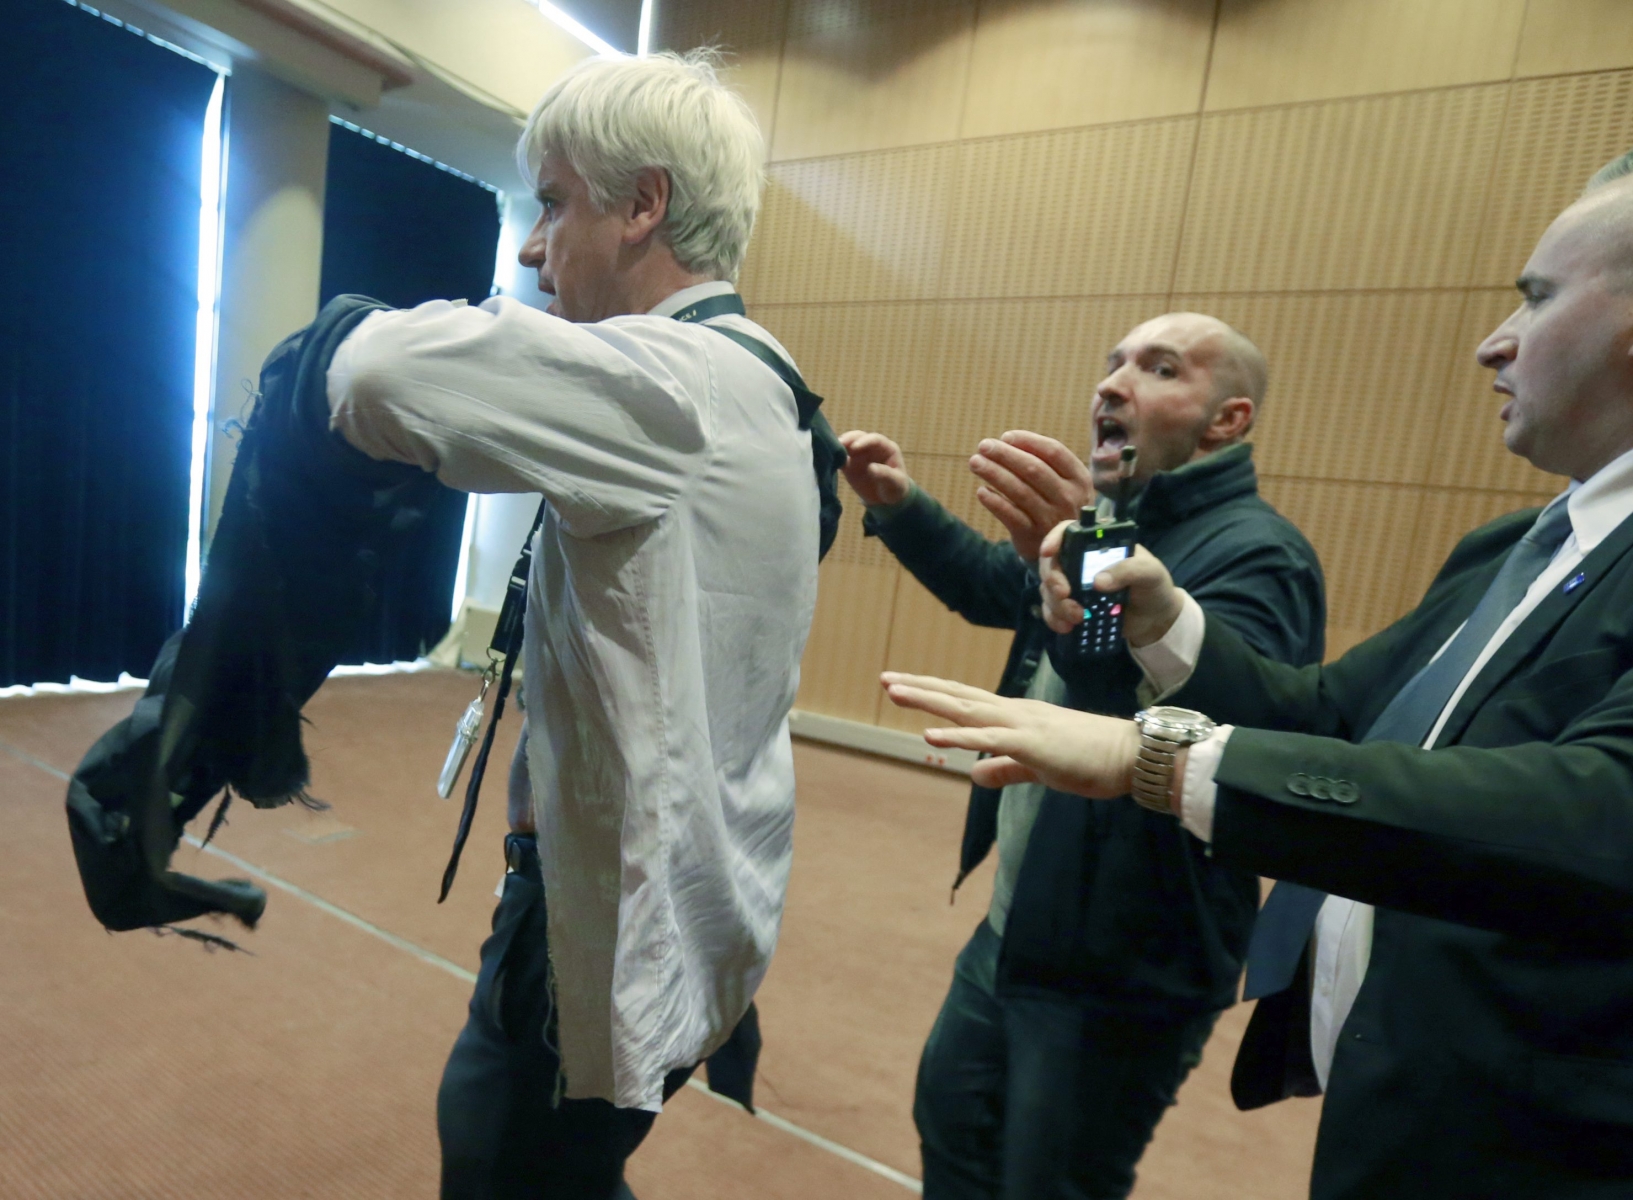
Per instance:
(1343,931)
(673,584)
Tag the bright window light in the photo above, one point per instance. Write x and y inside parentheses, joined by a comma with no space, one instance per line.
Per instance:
(462,573)
(212,173)
(643,45)
(562,19)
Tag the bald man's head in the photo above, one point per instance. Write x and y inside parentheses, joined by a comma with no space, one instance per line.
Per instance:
(1240,368)
(1178,387)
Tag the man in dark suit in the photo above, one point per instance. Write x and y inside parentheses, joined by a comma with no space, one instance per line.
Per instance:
(1468,771)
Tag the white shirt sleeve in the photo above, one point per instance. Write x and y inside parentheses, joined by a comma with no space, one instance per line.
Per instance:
(610,421)
(1169,661)
(1198,790)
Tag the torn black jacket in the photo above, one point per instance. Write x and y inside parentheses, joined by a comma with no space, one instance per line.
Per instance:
(291,580)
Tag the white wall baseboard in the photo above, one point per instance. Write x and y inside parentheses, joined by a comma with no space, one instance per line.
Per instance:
(891,743)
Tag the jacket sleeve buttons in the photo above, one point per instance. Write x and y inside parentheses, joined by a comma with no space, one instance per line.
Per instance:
(1319,787)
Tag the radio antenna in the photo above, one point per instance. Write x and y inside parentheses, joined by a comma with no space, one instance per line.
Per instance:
(1125,479)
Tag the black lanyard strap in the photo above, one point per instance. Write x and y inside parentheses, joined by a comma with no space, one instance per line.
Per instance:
(504,648)
(731,304)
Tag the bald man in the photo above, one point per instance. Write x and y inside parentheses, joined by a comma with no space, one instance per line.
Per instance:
(1112,941)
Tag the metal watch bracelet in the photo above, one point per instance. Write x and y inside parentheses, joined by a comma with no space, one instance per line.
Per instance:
(1164,731)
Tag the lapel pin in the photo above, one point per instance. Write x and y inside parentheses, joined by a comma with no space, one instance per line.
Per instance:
(1574,582)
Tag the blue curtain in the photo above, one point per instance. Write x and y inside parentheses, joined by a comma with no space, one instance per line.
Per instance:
(98,303)
(405,231)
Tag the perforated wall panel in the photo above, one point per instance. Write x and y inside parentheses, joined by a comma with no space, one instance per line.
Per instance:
(1087,212)
(861,227)
(1356,378)
(1558,133)
(1381,192)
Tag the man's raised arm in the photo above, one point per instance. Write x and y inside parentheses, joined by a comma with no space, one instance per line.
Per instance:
(503,398)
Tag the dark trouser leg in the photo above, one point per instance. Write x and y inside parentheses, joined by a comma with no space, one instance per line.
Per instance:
(501,1136)
(958,1101)
(1041,1099)
(1084,1093)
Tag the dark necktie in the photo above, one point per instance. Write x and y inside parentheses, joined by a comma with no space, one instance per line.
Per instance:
(1289,914)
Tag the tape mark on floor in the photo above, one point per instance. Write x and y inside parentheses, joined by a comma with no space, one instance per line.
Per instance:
(17,752)
(855,1157)
(817,1140)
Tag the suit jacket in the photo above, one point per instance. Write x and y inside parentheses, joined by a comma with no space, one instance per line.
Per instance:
(1490,1050)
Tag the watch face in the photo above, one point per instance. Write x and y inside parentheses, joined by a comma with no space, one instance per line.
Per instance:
(1178,724)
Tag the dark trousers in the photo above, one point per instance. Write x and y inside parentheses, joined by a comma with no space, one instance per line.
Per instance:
(504,1134)
(1041,1099)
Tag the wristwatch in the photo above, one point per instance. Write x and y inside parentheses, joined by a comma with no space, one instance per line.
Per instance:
(1163,731)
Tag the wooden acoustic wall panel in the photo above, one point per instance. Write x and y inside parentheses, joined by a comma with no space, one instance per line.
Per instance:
(873,85)
(1364,535)
(1052,64)
(806,17)
(1356,378)
(1373,193)
(860,227)
(925,637)
(948,478)
(839,675)
(1575,35)
(1019,364)
(1467,444)
(1086,212)
(748,32)
(1282,51)
(871,363)
(1445,515)
(1558,133)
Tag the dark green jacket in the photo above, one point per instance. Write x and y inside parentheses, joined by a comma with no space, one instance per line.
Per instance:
(1115,904)
(1490,1050)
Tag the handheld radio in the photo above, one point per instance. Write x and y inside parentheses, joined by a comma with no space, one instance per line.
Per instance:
(1090,545)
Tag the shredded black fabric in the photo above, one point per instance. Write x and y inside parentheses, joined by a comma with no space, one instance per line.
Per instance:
(220,818)
(291,579)
(301,797)
(210,941)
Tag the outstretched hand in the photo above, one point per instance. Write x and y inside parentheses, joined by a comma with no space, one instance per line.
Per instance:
(1029,741)
(1031,483)
(1153,605)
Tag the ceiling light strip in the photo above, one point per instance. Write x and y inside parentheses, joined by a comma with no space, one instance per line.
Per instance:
(566,22)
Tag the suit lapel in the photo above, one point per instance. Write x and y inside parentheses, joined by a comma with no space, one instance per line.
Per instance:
(1537,627)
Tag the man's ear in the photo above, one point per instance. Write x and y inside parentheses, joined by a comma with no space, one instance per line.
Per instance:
(1231,422)
(649,205)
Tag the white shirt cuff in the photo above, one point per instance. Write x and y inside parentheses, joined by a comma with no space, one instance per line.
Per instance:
(1198,790)
(1169,661)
